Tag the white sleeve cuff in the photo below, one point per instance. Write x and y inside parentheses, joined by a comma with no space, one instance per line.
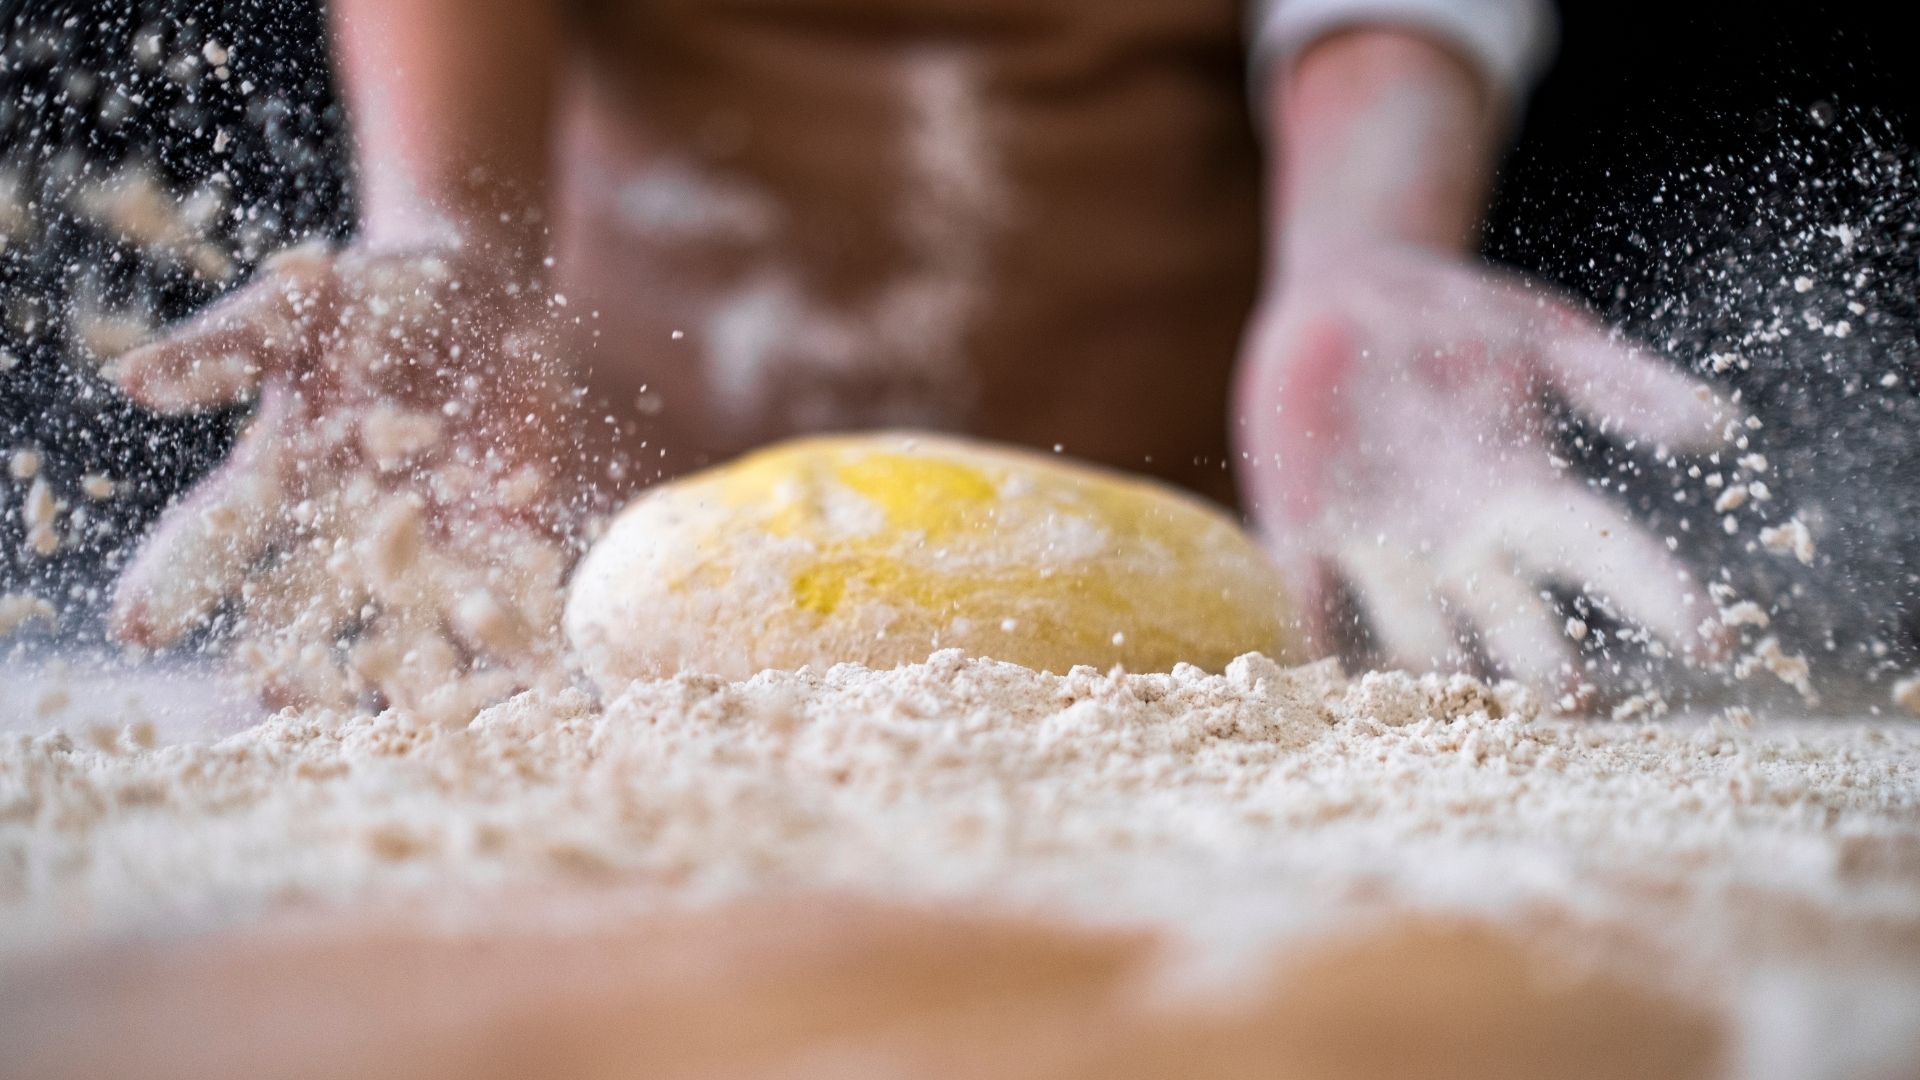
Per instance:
(1510,41)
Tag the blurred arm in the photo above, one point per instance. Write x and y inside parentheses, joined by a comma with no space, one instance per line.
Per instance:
(1385,117)
(1380,135)
(452,106)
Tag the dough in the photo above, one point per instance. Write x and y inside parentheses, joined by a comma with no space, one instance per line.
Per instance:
(880,549)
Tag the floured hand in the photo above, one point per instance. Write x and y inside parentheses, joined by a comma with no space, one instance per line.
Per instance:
(388,529)
(1391,411)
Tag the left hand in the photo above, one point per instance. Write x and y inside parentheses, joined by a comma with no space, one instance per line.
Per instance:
(1392,413)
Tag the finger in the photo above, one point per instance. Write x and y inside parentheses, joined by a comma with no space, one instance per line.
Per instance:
(300,594)
(512,611)
(296,608)
(1587,542)
(202,548)
(223,354)
(287,670)
(1402,605)
(406,659)
(1515,627)
(1639,391)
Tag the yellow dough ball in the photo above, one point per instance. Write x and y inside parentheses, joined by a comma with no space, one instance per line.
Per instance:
(881,549)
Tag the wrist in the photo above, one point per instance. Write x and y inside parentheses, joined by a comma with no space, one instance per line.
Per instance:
(1383,139)
(510,249)
(1316,257)
(493,222)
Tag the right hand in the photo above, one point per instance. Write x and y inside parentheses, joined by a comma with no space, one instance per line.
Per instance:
(390,524)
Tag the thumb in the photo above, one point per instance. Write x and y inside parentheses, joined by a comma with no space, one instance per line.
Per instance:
(224,353)
(203,547)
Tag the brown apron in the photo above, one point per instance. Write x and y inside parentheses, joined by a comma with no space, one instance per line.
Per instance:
(1033,220)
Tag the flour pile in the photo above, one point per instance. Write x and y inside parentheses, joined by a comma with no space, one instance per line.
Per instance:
(1232,809)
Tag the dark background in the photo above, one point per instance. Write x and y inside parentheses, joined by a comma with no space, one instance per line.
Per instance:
(1675,168)
(1678,167)
(68,119)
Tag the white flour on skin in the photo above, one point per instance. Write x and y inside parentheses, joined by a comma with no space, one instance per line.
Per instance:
(418,565)
(1234,809)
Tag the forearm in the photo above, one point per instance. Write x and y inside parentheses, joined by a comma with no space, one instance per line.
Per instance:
(452,104)
(1380,135)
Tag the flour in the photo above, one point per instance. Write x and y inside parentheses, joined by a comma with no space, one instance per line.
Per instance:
(98,486)
(1233,810)
(39,512)
(19,609)
(1906,693)
(1793,538)
(23,464)
(135,206)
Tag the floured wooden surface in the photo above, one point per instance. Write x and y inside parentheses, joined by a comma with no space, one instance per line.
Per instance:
(825,986)
(1769,876)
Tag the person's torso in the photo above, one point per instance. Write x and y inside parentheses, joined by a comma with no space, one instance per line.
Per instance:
(1034,221)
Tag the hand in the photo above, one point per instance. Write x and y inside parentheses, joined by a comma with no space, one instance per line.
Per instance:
(1392,419)
(389,526)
